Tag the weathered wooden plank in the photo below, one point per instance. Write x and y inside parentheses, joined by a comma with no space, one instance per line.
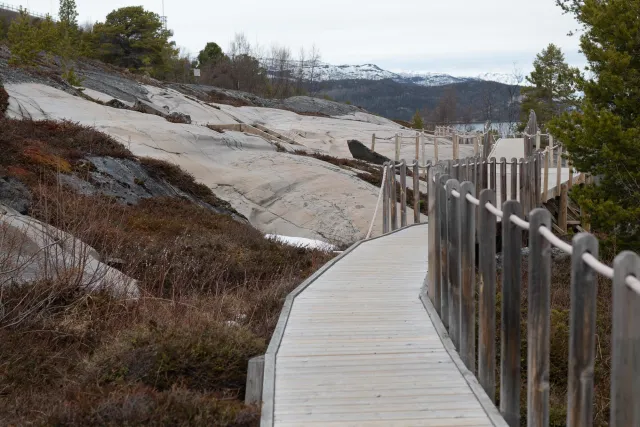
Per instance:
(582,341)
(487,296)
(625,348)
(454,252)
(539,313)
(562,211)
(511,313)
(444,250)
(468,278)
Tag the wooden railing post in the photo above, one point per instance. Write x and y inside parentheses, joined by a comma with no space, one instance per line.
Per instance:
(468,278)
(539,312)
(454,253)
(511,312)
(582,342)
(537,183)
(373,142)
(514,178)
(398,145)
(435,149)
(476,142)
(385,200)
(559,171)
(492,174)
(394,196)
(625,344)
(456,147)
(538,140)
(417,146)
(487,298)
(444,248)
(503,181)
(570,183)
(523,185)
(433,267)
(564,203)
(403,193)
(545,190)
(416,192)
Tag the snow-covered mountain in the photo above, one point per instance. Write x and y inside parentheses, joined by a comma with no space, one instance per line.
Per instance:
(325,72)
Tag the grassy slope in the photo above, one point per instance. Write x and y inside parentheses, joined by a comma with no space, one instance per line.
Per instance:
(212,292)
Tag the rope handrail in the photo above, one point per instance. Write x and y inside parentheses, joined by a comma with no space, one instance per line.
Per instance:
(590,260)
(375,212)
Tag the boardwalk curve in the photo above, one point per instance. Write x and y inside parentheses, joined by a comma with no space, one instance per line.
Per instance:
(355,345)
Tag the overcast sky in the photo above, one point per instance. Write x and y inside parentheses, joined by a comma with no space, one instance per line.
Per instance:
(459,37)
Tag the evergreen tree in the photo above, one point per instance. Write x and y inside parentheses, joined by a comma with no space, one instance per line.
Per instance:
(552,87)
(210,55)
(48,36)
(417,121)
(603,136)
(134,38)
(23,40)
(68,13)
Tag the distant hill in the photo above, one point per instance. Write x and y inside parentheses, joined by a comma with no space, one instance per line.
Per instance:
(475,100)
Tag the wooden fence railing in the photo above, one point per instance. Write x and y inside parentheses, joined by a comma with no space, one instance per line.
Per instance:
(462,214)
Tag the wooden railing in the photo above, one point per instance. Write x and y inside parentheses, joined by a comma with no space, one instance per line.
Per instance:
(458,219)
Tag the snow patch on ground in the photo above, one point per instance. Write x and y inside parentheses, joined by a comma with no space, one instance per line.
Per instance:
(301,242)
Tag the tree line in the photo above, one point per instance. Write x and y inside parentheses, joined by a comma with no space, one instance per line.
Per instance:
(136,39)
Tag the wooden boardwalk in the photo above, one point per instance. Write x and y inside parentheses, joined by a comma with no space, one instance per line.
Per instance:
(357,346)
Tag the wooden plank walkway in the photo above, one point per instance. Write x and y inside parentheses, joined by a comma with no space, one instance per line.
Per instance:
(356,346)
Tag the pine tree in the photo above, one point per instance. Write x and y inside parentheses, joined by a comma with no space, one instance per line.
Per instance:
(23,40)
(552,87)
(603,135)
(68,13)
(417,121)
(48,36)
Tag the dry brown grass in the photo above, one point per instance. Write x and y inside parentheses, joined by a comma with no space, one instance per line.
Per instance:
(211,293)
(4,100)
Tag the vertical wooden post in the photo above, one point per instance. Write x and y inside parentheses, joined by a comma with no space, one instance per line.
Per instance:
(398,145)
(545,191)
(538,140)
(503,181)
(562,213)
(487,297)
(386,198)
(582,342)
(537,158)
(456,147)
(523,186)
(514,178)
(539,313)
(444,251)
(511,312)
(570,183)
(373,142)
(416,193)
(403,193)
(476,143)
(625,348)
(417,146)
(394,196)
(424,151)
(492,174)
(435,149)
(454,252)
(433,269)
(255,377)
(468,282)
(551,142)
(559,171)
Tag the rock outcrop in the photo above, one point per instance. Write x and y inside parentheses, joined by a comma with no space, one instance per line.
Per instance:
(33,251)
(362,152)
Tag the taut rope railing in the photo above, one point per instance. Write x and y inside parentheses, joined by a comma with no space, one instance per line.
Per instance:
(457,221)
